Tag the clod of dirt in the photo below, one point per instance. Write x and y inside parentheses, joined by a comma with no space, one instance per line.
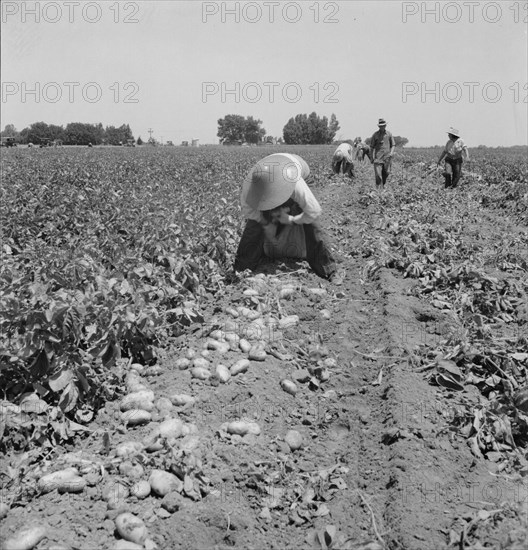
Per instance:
(172,502)
(294,440)
(302,376)
(127,545)
(133,471)
(326,314)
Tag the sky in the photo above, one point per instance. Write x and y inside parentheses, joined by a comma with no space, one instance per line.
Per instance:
(176,67)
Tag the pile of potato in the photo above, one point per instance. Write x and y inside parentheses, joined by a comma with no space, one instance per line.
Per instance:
(235,342)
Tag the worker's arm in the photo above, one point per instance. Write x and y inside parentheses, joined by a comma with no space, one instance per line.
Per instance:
(304,197)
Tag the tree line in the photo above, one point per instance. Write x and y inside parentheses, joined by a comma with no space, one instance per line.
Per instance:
(74,133)
(302,129)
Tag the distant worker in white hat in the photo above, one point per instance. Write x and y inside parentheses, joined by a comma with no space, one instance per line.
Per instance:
(283,217)
(381,152)
(454,151)
(342,160)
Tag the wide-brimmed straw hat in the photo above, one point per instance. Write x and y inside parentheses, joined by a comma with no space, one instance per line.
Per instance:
(382,122)
(271,182)
(453,131)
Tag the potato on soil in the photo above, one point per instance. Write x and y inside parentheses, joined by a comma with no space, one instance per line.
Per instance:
(232,337)
(244,345)
(138,400)
(115,491)
(162,483)
(286,292)
(182,363)
(200,373)
(137,367)
(240,427)
(289,321)
(128,448)
(27,538)
(239,367)
(201,363)
(140,489)
(232,311)
(155,370)
(136,417)
(257,354)
(170,428)
(217,335)
(182,399)
(131,528)
(222,373)
(4,509)
(289,387)
(219,347)
(67,481)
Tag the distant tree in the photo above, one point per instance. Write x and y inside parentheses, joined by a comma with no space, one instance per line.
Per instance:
(310,129)
(253,133)
(231,128)
(9,131)
(115,136)
(139,141)
(236,128)
(400,141)
(82,133)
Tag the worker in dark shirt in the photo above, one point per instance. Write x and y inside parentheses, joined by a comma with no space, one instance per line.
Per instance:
(381,152)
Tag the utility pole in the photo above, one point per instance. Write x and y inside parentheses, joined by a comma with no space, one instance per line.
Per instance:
(150,130)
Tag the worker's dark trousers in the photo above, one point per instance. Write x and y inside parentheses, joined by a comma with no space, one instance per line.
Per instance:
(452,172)
(251,249)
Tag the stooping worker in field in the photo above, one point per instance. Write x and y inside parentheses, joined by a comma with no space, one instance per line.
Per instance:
(453,152)
(362,149)
(381,152)
(342,160)
(282,217)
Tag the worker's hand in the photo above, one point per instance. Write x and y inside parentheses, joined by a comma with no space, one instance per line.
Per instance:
(284,217)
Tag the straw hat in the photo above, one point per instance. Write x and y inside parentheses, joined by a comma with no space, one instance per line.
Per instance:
(453,131)
(271,182)
(382,122)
